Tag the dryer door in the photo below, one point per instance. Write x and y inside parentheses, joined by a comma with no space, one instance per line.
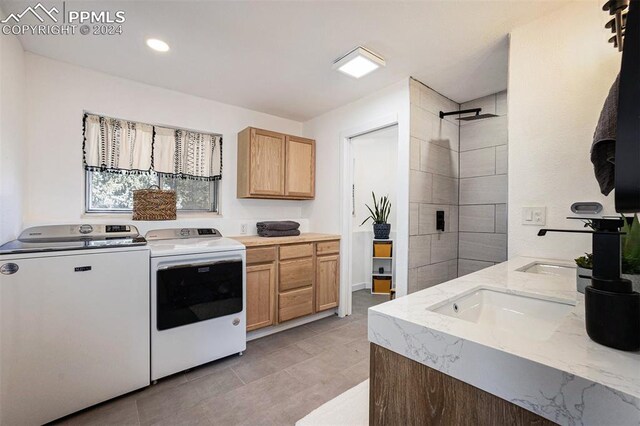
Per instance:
(191,293)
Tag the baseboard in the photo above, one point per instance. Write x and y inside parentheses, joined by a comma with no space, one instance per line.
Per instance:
(263,332)
(359,286)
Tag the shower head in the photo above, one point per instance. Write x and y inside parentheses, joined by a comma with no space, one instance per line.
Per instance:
(476,116)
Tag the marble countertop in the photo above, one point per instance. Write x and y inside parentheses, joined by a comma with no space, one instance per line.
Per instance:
(566,378)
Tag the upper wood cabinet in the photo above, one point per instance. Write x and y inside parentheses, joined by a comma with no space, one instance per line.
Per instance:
(275,165)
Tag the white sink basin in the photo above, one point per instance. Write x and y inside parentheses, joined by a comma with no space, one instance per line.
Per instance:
(505,313)
(549,269)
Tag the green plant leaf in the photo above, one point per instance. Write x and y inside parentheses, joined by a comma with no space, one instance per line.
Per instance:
(380,211)
(375,204)
(585,261)
(631,241)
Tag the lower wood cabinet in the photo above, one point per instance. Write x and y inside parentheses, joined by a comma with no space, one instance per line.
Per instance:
(288,281)
(261,292)
(327,282)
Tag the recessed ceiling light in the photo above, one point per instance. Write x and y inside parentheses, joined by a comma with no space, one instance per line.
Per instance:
(358,62)
(157,45)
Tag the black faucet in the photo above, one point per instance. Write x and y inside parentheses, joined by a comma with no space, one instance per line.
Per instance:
(607,259)
(612,308)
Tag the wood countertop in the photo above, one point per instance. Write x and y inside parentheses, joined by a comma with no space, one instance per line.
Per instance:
(257,241)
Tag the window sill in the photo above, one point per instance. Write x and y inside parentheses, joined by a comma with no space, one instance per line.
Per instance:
(128,216)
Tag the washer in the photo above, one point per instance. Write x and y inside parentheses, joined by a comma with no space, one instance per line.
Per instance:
(74,320)
(198,302)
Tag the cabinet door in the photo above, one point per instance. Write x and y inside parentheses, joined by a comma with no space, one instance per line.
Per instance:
(267,163)
(327,282)
(261,288)
(301,165)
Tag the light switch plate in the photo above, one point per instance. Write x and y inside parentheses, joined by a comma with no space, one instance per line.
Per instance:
(536,216)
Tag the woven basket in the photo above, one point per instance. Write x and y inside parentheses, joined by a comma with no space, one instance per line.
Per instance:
(154,204)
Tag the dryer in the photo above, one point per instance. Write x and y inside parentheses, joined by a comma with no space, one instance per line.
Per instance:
(198,302)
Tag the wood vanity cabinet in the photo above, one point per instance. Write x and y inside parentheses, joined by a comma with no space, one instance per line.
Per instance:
(288,281)
(275,165)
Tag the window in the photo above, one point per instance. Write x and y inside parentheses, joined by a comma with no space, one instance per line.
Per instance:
(109,192)
(122,156)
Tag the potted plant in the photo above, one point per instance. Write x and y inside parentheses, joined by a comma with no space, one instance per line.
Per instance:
(630,257)
(379,215)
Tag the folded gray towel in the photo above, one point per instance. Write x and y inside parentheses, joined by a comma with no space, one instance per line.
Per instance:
(603,149)
(282,225)
(272,233)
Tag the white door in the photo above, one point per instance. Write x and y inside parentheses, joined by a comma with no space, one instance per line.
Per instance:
(75,332)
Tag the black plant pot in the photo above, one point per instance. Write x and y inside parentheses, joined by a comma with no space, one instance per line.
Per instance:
(381,231)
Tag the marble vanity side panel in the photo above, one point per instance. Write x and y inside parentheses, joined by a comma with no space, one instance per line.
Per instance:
(483,172)
(433,186)
(555,395)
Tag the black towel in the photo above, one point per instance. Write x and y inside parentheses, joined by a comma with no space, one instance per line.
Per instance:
(603,149)
(272,233)
(282,225)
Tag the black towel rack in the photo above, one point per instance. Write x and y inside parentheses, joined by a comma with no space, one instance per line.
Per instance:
(618,9)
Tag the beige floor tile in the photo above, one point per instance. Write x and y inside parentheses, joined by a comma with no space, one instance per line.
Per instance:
(121,411)
(154,408)
(287,375)
(194,416)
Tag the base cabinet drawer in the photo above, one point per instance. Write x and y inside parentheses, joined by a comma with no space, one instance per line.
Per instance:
(295,274)
(294,304)
(261,255)
(293,251)
(328,247)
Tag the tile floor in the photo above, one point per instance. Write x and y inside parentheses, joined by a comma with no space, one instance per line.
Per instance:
(280,379)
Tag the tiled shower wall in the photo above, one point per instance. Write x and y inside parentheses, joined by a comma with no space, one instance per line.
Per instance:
(433,185)
(483,186)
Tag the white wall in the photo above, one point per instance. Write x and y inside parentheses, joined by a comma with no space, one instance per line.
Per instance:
(12,137)
(560,71)
(58,94)
(330,131)
(375,169)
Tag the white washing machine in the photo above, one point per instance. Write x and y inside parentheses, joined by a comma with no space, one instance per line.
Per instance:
(74,320)
(198,302)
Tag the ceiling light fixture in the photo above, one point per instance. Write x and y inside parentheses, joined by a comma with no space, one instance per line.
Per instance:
(358,62)
(157,45)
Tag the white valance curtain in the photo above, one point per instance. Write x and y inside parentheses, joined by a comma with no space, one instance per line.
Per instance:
(112,144)
(123,146)
(186,154)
